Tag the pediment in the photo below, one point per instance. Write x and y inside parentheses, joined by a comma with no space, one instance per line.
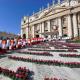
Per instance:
(53,11)
(44,13)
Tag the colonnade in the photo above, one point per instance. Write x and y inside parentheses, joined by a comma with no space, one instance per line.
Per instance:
(72,27)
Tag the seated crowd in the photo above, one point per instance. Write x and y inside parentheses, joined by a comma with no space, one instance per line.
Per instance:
(36,53)
(70,55)
(47,62)
(53,78)
(20,74)
(69,45)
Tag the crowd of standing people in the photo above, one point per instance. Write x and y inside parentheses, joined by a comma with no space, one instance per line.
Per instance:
(13,43)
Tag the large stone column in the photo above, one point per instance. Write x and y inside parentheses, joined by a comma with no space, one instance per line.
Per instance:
(75,26)
(40,27)
(49,28)
(60,26)
(43,29)
(21,32)
(33,31)
(27,32)
(69,27)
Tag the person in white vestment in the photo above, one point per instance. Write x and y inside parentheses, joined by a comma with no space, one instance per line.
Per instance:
(0,44)
(8,43)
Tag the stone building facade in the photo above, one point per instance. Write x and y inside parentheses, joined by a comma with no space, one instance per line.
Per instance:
(61,20)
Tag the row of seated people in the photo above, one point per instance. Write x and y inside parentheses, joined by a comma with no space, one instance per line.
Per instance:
(70,45)
(62,45)
(70,55)
(54,50)
(43,45)
(36,53)
(40,44)
(72,50)
(20,74)
(56,45)
(39,49)
(11,44)
(53,78)
(47,62)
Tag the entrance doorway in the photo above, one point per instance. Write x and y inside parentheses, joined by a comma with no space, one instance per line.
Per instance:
(24,36)
(37,36)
